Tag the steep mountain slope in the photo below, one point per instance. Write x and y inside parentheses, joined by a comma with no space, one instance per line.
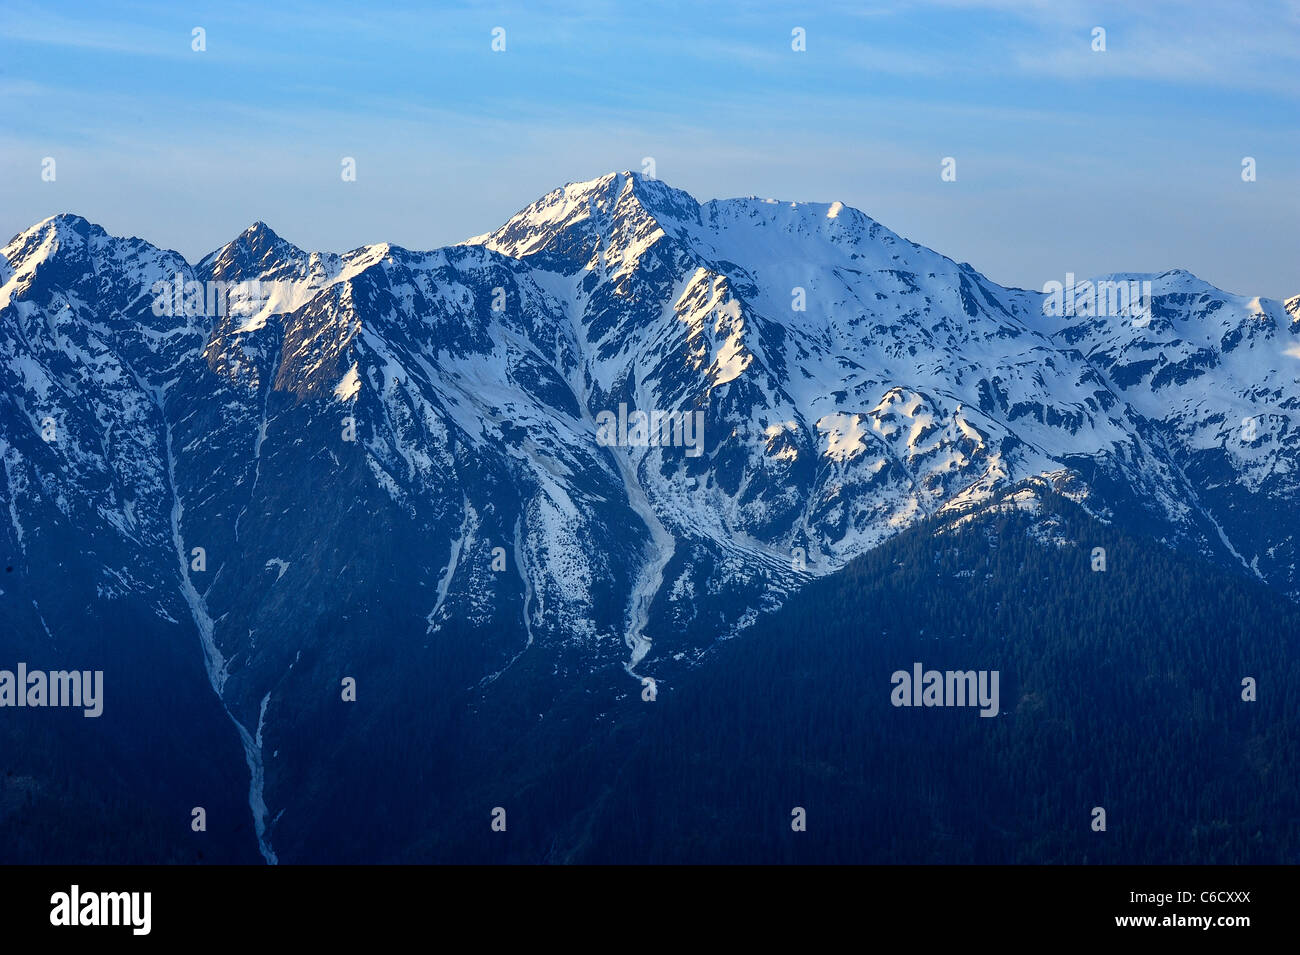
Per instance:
(388,466)
(853,360)
(1214,378)
(92,559)
(1119,689)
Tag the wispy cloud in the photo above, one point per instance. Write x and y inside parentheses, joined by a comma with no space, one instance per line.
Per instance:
(1059,149)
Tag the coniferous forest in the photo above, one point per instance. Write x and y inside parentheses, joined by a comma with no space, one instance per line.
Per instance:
(1119,689)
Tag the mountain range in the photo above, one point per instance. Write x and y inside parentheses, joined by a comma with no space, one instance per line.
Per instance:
(385,467)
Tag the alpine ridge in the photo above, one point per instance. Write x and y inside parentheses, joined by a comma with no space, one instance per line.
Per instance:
(383,464)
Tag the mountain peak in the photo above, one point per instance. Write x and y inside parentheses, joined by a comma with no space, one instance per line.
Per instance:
(255,251)
(259,228)
(601,205)
(70,220)
(54,238)
(617,216)
(64,226)
(654,195)
(261,238)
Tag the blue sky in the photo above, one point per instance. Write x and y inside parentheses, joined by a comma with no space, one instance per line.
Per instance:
(1068,160)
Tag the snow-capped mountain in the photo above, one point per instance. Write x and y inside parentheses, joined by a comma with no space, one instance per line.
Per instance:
(368,458)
